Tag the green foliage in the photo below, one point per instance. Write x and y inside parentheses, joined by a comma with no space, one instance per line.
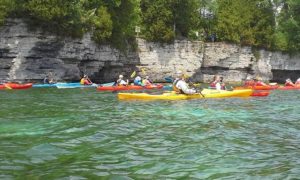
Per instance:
(6,6)
(102,25)
(164,20)
(257,23)
(58,15)
(287,36)
(246,22)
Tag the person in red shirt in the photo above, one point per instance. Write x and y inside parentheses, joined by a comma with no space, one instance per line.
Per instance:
(249,82)
(258,82)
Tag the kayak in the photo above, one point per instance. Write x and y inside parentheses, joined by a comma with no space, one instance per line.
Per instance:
(289,87)
(268,87)
(44,85)
(15,86)
(206,93)
(129,87)
(78,85)
(260,93)
(73,85)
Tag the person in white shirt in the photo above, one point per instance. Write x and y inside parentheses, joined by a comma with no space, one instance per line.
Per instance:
(180,85)
(121,82)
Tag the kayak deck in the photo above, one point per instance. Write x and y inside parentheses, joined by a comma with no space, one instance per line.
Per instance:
(206,93)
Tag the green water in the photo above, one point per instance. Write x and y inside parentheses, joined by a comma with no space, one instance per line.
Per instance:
(85,134)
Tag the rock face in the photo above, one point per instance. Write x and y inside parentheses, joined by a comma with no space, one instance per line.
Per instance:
(30,55)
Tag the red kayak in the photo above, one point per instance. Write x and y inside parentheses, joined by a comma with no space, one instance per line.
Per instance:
(129,87)
(260,93)
(15,86)
(268,87)
(289,87)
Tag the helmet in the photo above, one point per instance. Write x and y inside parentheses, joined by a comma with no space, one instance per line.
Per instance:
(120,76)
(179,74)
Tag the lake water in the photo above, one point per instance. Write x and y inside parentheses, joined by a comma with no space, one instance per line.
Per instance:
(85,134)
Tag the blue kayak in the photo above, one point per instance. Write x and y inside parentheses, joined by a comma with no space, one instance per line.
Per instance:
(44,85)
(78,85)
(69,85)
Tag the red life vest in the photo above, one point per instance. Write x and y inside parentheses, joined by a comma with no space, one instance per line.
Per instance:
(213,85)
(289,84)
(249,83)
(259,83)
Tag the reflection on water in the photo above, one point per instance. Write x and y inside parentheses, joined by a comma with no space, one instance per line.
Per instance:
(80,133)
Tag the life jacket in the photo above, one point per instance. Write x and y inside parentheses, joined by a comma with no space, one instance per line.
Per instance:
(249,83)
(223,87)
(137,82)
(86,82)
(259,83)
(288,84)
(175,88)
(213,85)
(82,80)
(146,82)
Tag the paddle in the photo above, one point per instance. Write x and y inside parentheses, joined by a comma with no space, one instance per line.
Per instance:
(7,86)
(133,74)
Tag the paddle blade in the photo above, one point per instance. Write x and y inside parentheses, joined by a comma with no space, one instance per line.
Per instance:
(7,86)
(143,71)
(133,74)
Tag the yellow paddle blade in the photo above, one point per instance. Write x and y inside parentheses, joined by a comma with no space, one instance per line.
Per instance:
(7,86)
(133,74)
(143,71)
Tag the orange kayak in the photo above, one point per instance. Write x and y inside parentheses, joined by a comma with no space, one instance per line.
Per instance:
(15,86)
(129,87)
(260,93)
(289,87)
(268,87)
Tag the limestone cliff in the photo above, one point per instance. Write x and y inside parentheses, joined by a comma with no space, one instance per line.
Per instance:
(30,54)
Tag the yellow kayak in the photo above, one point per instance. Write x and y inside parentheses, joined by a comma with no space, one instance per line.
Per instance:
(206,93)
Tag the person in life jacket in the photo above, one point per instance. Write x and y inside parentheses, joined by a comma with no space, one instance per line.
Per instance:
(258,82)
(137,81)
(249,82)
(289,82)
(180,85)
(147,81)
(223,86)
(216,84)
(121,82)
(85,80)
(297,83)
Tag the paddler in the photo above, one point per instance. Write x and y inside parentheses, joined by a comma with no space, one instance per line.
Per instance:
(85,80)
(147,81)
(180,85)
(289,82)
(137,81)
(223,85)
(258,82)
(121,82)
(216,83)
(249,82)
(297,83)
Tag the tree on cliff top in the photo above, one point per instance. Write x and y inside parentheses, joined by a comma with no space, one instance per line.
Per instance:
(246,22)
(6,6)
(287,36)
(165,20)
